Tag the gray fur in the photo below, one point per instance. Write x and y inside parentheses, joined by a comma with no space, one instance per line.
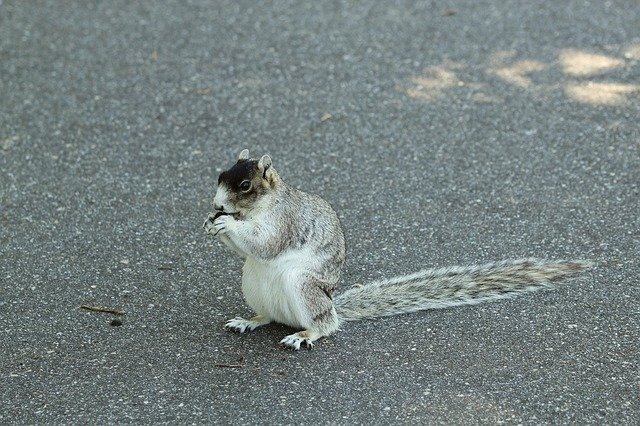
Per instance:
(454,286)
(301,220)
(318,301)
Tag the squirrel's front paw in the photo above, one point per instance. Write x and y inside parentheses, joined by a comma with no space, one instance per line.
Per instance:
(208,223)
(217,223)
(222,223)
(241,325)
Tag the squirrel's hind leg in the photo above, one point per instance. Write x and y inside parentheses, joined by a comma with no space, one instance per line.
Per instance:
(321,317)
(241,325)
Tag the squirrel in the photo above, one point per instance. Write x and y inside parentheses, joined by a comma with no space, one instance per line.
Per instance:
(294,251)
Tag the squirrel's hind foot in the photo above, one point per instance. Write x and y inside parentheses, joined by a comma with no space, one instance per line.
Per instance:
(306,337)
(241,325)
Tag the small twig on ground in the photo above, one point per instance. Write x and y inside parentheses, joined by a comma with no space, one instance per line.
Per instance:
(102,309)
(223,365)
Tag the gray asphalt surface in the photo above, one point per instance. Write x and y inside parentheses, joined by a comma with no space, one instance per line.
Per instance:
(442,133)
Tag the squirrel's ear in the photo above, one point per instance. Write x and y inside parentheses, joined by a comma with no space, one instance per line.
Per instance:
(244,155)
(264,165)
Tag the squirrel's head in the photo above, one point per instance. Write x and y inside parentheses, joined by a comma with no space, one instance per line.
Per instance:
(242,186)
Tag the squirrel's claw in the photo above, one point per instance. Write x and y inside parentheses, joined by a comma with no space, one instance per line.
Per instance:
(294,341)
(221,223)
(217,223)
(237,324)
(241,325)
(208,224)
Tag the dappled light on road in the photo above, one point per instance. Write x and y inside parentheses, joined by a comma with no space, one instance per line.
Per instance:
(582,76)
(578,62)
(433,83)
(601,93)
(517,73)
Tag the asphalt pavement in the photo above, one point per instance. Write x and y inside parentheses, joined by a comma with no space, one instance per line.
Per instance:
(443,133)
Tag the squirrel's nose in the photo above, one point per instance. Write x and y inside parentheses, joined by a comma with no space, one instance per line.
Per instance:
(217,207)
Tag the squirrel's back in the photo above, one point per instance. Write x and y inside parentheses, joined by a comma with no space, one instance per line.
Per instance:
(309,222)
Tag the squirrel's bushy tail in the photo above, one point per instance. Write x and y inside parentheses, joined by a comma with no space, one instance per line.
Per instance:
(441,288)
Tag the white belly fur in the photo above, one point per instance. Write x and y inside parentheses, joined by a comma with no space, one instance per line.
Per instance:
(272,288)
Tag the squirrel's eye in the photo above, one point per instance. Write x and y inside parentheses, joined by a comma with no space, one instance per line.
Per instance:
(245,185)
